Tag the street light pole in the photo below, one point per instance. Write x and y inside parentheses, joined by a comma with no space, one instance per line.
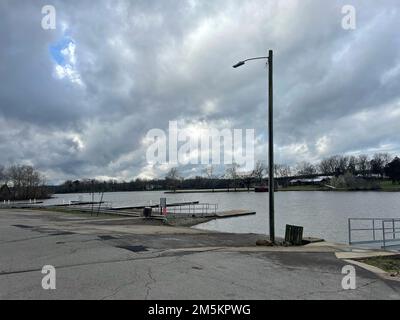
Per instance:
(271,183)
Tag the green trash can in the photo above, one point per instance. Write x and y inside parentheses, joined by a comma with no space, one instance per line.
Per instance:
(294,235)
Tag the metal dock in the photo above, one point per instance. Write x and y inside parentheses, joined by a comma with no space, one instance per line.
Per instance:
(234,213)
(202,210)
(177,204)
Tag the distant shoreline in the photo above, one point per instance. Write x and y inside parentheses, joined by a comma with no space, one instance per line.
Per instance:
(305,188)
(289,189)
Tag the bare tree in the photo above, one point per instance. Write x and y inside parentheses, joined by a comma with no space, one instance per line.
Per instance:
(333,165)
(343,164)
(392,170)
(277,168)
(363,164)
(173,178)
(352,165)
(26,182)
(379,162)
(286,171)
(248,179)
(259,171)
(325,167)
(3,177)
(306,169)
(209,173)
(283,172)
(232,173)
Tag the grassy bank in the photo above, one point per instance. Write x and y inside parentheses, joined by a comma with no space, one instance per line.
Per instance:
(389,264)
(389,186)
(384,186)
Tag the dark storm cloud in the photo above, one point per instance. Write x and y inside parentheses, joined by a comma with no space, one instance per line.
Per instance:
(140,64)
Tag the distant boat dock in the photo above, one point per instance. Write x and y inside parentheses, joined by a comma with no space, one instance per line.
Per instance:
(176,210)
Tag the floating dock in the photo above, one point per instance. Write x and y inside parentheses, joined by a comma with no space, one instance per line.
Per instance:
(77,203)
(178,204)
(234,213)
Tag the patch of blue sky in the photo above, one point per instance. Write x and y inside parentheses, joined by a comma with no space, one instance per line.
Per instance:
(56,50)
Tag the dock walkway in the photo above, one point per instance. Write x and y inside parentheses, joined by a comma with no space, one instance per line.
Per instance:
(234,213)
(177,204)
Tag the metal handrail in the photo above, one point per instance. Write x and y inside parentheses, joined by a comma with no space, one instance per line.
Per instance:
(393,231)
(378,227)
(200,209)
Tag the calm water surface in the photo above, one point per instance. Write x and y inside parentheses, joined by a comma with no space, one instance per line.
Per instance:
(323,214)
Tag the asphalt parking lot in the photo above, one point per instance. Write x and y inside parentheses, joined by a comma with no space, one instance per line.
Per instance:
(98,258)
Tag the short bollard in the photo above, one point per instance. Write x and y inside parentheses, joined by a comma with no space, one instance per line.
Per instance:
(147,212)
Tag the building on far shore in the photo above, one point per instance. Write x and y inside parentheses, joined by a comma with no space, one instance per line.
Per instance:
(311,181)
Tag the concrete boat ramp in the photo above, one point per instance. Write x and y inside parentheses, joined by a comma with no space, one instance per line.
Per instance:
(189,209)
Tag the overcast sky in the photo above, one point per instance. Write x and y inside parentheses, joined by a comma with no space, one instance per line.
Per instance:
(78,101)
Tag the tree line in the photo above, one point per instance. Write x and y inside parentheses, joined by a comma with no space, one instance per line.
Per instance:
(338,165)
(378,166)
(21,182)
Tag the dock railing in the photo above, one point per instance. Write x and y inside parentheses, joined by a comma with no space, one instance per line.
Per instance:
(391,231)
(385,231)
(190,210)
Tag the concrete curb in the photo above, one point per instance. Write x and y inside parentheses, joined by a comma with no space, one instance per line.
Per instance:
(363,255)
(379,272)
(254,249)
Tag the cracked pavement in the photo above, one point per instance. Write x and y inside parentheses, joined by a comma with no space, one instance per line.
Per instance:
(124,259)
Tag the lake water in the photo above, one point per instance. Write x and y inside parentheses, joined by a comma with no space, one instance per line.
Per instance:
(323,214)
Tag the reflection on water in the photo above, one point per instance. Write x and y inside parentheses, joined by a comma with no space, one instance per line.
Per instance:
(323,214)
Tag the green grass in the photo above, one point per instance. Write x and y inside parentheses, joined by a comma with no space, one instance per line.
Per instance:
(389,186)
(389,264)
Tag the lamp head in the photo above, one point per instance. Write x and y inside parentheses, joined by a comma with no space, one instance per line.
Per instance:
(239,64)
